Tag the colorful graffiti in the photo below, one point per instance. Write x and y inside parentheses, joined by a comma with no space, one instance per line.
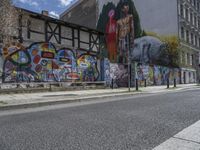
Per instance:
(121,24)
(157,75)
(1,63)
(87,66)
(111,28)
(41,62)
(107,77)
(119,73)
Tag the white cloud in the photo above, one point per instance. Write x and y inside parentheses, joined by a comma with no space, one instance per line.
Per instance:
(29,2)
(65,2)
(54,14)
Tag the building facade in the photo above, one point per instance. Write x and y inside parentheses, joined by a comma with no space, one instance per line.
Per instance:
(45,49)
(189,35)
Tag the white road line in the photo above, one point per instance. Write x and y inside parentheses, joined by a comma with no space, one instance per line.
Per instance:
(187,139)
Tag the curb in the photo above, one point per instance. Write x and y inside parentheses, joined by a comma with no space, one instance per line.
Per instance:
(75,100)
(61,101)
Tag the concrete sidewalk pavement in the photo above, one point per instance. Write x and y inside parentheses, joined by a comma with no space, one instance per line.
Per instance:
(26,100)
(187,139)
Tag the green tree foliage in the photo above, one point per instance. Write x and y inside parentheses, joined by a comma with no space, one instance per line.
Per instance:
(8,20)
(173,47)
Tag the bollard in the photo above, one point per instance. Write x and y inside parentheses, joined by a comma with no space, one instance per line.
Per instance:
(145,83)
(112,84)
(168,83)
(136,84)
(174,82)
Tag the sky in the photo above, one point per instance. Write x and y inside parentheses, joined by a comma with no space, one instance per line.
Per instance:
(55,7)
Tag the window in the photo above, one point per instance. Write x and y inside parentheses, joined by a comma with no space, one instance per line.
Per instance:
(199,42)
(198,6)
(196,41)
(194,3)
(187,36)
(181,10)
(192,39)
(195,20)
(199,57)
(182,33)
(191,60)
(186,14)
(188,59)
(191,18)
(198,23)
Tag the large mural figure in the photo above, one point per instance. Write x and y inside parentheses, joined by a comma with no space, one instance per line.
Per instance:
(41,62)
(121,24)
(125,33)
(111,28)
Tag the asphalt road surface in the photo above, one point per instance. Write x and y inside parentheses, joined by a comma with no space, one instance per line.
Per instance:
(130,123)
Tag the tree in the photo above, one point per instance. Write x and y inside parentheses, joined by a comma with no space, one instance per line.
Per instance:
(8,21)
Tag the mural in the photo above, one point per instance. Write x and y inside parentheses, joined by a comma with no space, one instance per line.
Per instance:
(151,50)
(1,64)
(125,33)
(111,28)
(121,24)
(87,66)
(41,62)
(157,75)
(107,76)
(119,73)
(17,65)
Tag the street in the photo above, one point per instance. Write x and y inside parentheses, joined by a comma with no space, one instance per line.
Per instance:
(129,123)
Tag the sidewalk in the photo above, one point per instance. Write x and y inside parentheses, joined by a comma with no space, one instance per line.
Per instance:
(26,100)
(187,139)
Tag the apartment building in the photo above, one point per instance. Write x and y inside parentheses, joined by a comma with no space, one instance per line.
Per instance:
(189,35)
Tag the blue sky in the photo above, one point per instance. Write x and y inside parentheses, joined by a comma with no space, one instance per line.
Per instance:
(55,7)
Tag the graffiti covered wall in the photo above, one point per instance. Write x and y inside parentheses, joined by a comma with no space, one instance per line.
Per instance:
(106,66)
(157,75)
(42,62)
(119,73)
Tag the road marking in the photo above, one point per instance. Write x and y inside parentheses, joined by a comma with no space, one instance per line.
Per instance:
(187,139)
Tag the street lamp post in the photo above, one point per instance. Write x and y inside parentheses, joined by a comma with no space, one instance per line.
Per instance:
(129,72)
